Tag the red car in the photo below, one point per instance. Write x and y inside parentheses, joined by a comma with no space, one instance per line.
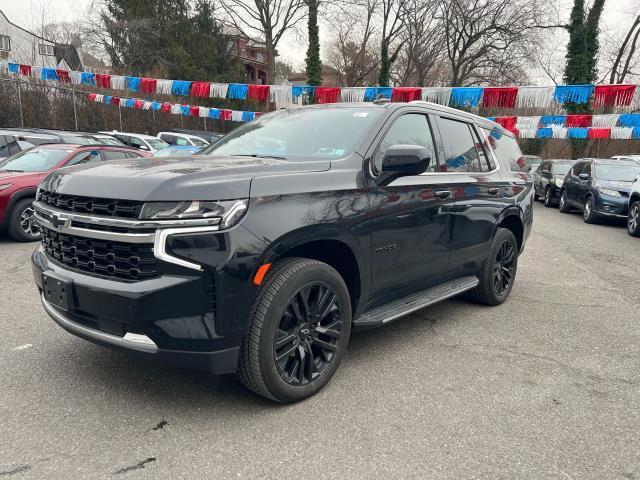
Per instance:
(20,175)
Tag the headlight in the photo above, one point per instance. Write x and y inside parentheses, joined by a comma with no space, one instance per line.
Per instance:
(559,182)
(4,186)
(228,211)
(611,193)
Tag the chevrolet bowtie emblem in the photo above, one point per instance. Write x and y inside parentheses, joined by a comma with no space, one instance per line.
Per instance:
(58,220)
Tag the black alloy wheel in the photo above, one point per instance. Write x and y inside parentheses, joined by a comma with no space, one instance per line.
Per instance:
(307,335)
(504,268)
(564,205)
(23,226)
(588,214)
(633,219)
(547,198)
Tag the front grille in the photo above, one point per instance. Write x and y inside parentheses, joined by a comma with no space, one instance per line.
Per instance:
(113,259)
(90,205)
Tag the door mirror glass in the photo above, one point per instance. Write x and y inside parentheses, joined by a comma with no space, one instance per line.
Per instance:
(584,176)
(143,147)
(400,160)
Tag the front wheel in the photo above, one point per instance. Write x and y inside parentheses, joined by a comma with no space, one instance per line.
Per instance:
(299,331)
(588,213)
(564,205)
(548,202)
(22,223)
(633,220)
(498,272)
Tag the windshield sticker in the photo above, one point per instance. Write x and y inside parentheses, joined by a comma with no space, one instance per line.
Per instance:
(361,114)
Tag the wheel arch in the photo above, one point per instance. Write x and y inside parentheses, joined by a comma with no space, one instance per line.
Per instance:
(512,219)
(15,198)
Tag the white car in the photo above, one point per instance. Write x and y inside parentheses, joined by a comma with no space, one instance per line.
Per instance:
(148,143)
(182,139)
(633,219)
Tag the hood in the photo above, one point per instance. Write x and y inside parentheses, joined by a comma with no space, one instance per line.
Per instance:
(618,186)
(172,178)
(25,178)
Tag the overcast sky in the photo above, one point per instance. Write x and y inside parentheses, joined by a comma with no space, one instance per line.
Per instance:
(28,14)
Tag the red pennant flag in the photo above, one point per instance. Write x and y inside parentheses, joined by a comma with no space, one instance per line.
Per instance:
(138,104)
(115,100)
(148,85)
(509,123)
(500,97)
(165,107)
(200,89)
(63,75)
(194,111)
(327,94)
(582,121)
(599,133)
(225,114)
(614,95)
(406,94)
(25,69)
(92,97)
(259,93)
(103,80)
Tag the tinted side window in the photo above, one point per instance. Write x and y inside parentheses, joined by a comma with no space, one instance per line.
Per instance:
(486,160)
(4,148)
(84,157)
(182,141)
(113,154)
(124,139)
(461,153)
(409,129)
(170,139)
(587,169)
(506,150)
(577,169)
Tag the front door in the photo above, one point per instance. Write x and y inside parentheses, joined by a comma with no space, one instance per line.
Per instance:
(411,216)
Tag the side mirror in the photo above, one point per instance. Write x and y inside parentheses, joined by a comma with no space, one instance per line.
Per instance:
(584,176)
(404,160)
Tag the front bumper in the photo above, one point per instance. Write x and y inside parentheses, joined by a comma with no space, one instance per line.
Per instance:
(613,207)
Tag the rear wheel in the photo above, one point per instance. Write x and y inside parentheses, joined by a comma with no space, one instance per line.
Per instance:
(588,213)
(299,331)
(548,202)
(498,272)
(633,220)
(22,223)
(564,206)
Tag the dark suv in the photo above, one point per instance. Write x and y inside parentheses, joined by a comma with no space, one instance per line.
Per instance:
(548,180)
(600,188)
(262,255)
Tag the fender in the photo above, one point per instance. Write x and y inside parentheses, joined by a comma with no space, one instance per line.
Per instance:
(15,198)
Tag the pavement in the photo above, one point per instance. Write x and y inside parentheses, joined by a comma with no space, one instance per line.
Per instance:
(546,386)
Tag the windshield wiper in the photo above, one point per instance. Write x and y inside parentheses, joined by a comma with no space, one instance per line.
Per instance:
(257,155)
(7,170)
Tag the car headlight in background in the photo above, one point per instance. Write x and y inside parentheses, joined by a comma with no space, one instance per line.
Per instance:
(4,186)
(611,193)
(228,211)
(559,182)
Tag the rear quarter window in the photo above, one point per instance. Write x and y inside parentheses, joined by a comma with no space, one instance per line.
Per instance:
(506,149)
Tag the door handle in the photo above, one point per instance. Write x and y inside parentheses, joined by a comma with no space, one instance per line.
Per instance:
(443,194)
(493,191)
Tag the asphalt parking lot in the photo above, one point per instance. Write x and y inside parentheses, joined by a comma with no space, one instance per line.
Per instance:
(544,386)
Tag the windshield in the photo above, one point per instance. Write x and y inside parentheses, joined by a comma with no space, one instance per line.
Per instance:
(156,143)
(175,152)
(81,139)
(34,160)
(314,133)
(617,173)
(110,141)
(561,168)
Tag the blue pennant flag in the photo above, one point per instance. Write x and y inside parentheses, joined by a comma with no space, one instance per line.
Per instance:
(298,90)
(107,99)
(577,132)
(371,93)
(238,90)
(184,110)
(156,105)
(49,74)
(133,83)
(629,120)
(548,120)
(14,67)
(248,116)
(214,113)
(180,87)
(466,96)
(546,132)
(129,103)
(573,93)
(88,78)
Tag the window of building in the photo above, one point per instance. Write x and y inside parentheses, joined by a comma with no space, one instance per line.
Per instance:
(45,49)
(260,56)
(5,43)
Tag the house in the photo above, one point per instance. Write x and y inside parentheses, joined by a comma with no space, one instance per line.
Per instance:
(251,52)
(330,77)
(21,46)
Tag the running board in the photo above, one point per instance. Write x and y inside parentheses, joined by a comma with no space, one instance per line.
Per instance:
(399,308)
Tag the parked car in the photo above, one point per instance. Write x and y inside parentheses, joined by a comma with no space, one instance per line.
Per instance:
(140,141)
(64,136)
(182,139)
(532,162)
(20,175)
(626,157)
(184,151)
(548,180)
(633,218)
(210,137)
(14,141)
(261,256)
(599,188)
(108,140)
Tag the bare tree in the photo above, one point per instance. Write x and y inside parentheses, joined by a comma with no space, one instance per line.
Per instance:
(626,57)
(270,19)
(485,39)
(353,50)
(392,25)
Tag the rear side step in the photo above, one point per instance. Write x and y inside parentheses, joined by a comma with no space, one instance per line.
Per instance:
(399,308)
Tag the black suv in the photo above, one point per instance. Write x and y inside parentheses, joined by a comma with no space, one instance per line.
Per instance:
(599,187)
(548,180)
(262,255)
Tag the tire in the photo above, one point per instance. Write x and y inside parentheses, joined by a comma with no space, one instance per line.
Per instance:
(274,314)
(633,219)
(564,206)
(487,292)
(22,225)
(548,202)
(588,214)
(536,197)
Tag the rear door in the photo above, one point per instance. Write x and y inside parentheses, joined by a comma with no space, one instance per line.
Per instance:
(571,184)
(473,175)
(583,186)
